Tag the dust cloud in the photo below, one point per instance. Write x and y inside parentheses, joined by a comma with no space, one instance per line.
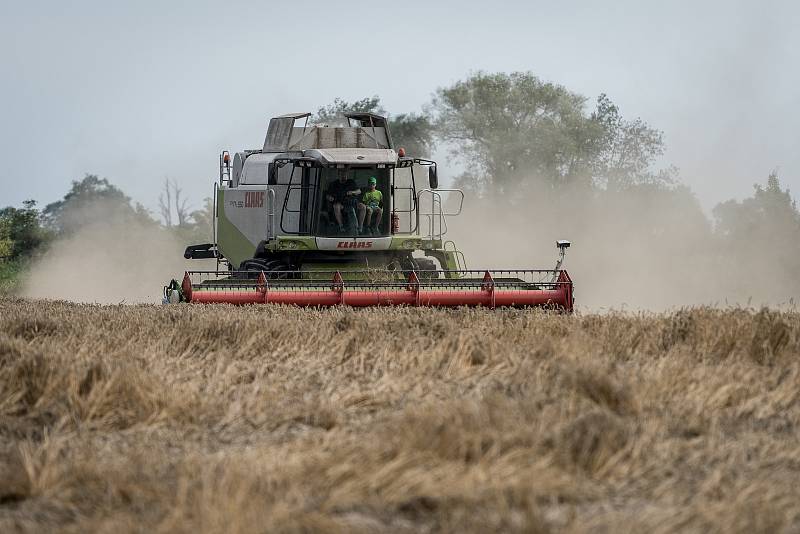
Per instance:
(108,262)
(630,250)
(640,249)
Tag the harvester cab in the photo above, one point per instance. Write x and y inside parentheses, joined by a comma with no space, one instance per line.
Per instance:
(337,214)
(317,197)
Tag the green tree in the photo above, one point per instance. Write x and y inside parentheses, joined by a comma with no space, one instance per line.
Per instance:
(761,234)
(22,237)
(333,114)
(514,130)
(509,126)
(769,215)
(627,149)
(93,200)
(21,233)
(412,131)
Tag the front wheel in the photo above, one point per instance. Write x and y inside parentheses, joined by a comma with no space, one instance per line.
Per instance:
(272,269)
(426,268)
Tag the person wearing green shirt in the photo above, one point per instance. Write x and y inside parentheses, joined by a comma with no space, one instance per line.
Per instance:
(373,212)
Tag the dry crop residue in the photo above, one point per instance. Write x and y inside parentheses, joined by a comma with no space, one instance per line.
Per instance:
(275,419)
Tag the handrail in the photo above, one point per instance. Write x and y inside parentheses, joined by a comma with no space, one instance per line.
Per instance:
(443,190)
(270,213)
(461,261)
(436,201)
(214,216)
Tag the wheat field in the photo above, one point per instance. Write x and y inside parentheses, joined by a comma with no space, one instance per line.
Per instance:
(274,419)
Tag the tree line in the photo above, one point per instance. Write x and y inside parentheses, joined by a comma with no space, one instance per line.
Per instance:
(518,139)
(26,231)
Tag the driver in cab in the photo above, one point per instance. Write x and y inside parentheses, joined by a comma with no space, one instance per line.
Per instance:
(344,193)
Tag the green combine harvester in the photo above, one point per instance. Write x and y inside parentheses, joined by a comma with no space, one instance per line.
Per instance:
(324,216)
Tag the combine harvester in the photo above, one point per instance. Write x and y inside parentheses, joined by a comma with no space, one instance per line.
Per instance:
(325,216)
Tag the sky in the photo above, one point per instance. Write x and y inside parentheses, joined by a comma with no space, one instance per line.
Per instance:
(142,91)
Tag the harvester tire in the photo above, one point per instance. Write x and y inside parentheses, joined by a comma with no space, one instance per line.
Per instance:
(251,268)
(271,268)
(423,266)
(281,275)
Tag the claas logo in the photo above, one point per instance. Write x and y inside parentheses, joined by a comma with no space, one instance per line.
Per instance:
(354,244)
(254,199)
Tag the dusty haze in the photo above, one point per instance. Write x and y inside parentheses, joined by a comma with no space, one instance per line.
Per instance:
(109,262)
(629,250)
(635,250)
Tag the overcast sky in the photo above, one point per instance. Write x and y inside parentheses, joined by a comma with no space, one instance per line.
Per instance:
(148,90)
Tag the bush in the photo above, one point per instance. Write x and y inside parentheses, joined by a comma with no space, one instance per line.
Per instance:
(10,272)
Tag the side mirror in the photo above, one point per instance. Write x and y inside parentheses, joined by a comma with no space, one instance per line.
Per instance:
(272,174)
(433,178)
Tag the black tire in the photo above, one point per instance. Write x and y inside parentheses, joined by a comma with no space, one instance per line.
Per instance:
(426,268)
(272,269)
(280,266)
(252,268)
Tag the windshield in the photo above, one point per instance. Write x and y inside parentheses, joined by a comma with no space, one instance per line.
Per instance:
(354,202)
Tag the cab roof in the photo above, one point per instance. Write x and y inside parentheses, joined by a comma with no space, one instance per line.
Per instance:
(352,156)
